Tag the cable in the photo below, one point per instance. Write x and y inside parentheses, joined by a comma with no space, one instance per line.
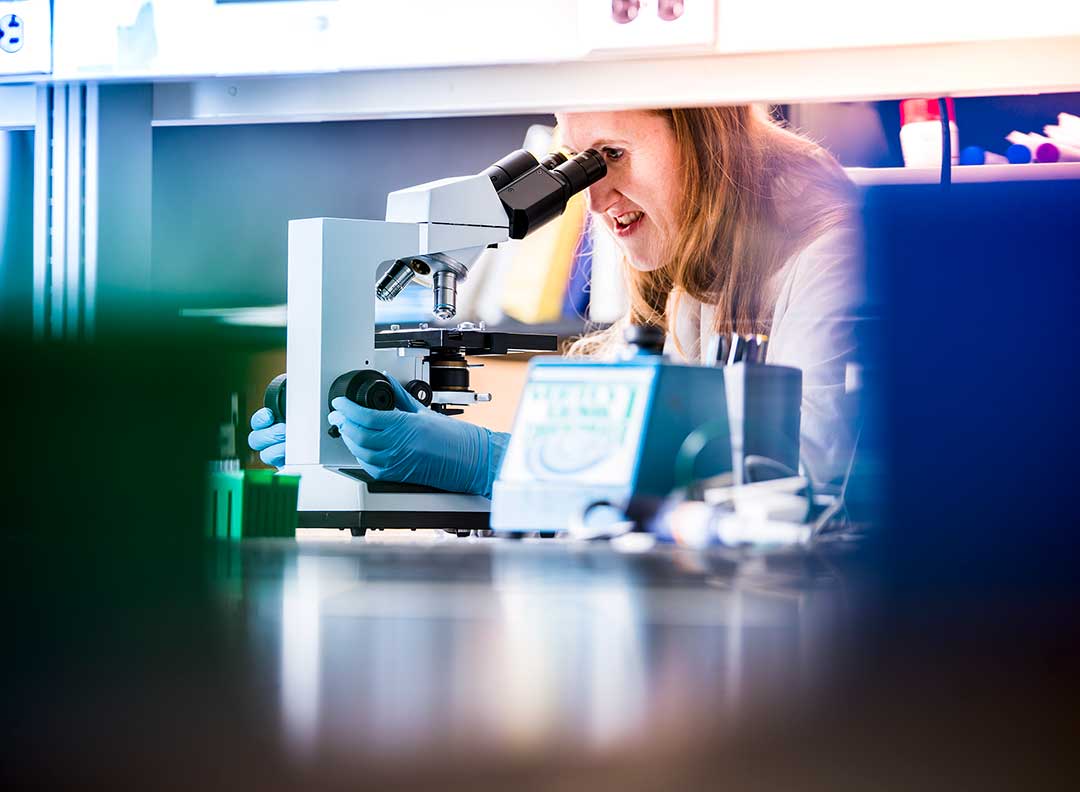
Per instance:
(692,447)
(756,460)
(841,499)
(946,145)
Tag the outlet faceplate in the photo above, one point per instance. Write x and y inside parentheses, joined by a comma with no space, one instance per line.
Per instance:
(647,25)
(25,37)
(11,33)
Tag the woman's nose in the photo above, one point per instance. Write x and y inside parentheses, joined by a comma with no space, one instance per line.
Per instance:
(600,194)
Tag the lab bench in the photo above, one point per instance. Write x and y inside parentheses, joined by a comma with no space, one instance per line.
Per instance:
(488,664)
(389,650)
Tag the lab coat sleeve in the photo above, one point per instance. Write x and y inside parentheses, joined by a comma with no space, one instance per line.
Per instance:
(820,302)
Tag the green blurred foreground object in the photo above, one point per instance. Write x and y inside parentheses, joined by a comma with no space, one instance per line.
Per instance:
(251,503)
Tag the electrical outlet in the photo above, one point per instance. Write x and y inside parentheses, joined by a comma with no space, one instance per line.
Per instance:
(11,33)
(683,25)
(25,37)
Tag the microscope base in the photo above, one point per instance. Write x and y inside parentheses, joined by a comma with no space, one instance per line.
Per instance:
(399,520)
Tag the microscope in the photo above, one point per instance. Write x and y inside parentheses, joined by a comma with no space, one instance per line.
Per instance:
(337,269)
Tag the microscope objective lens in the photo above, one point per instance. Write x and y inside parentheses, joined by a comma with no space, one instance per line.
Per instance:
(395,279)
(445,284)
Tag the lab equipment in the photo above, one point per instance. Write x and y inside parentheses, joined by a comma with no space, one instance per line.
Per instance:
(1067,130)
(763,408)
(727,349)
(594,439)
(920,133)
(1018,154)
(1066,152)
(1044,149)
(433,233)
(251,503)
(767,513)
(977,155)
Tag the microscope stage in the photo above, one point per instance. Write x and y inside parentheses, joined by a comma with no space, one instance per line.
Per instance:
(467,341)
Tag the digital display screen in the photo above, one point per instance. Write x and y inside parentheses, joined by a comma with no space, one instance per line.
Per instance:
(579,423)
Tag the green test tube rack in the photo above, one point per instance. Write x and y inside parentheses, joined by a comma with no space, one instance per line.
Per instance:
(245,504)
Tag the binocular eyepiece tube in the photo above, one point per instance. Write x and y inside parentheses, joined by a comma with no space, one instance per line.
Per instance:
(542,189)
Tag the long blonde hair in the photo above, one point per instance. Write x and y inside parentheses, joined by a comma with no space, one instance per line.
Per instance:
(755,194)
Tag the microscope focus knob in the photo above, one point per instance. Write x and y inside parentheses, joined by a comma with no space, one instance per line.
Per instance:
(274,398)
(420,391)
(367,388)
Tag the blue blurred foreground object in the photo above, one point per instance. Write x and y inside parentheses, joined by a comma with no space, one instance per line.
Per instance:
(415,444)
(981,433)
(267,437)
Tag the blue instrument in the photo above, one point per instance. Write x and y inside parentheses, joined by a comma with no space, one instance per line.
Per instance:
(608,434)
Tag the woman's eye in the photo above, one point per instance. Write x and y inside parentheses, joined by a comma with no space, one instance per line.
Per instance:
(613,154)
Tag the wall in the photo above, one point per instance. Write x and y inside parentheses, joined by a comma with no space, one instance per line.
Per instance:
(223,196)
(16,231)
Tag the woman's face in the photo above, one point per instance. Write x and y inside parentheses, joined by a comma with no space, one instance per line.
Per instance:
(638,198)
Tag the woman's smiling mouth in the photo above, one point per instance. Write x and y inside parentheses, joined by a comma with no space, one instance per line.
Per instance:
(625,224)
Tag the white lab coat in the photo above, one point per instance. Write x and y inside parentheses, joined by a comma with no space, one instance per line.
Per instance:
(820,297)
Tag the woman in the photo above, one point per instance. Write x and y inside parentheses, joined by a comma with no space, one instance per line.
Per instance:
(727,223)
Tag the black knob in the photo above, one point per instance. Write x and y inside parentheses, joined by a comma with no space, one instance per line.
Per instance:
(367,388)
(647,338)
(420,391)
(274,398)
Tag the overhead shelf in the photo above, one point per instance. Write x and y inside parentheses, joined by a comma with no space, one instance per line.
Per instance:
(975,68)
(962,69)
(966,174)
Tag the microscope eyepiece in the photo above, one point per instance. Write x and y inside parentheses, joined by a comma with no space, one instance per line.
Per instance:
(541,194)
(583,170)
(510,168)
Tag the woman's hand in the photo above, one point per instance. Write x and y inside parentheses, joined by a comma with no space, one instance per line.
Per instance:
(267,437)
(415,444)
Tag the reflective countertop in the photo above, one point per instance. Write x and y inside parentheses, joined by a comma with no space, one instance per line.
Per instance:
(483,664)
(386,649)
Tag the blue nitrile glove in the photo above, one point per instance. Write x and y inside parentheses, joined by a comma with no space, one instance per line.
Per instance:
(267,437)
(416,444)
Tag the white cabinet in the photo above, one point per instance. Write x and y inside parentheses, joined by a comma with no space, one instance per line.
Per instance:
(793,25)
(240,61)
(177,38)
